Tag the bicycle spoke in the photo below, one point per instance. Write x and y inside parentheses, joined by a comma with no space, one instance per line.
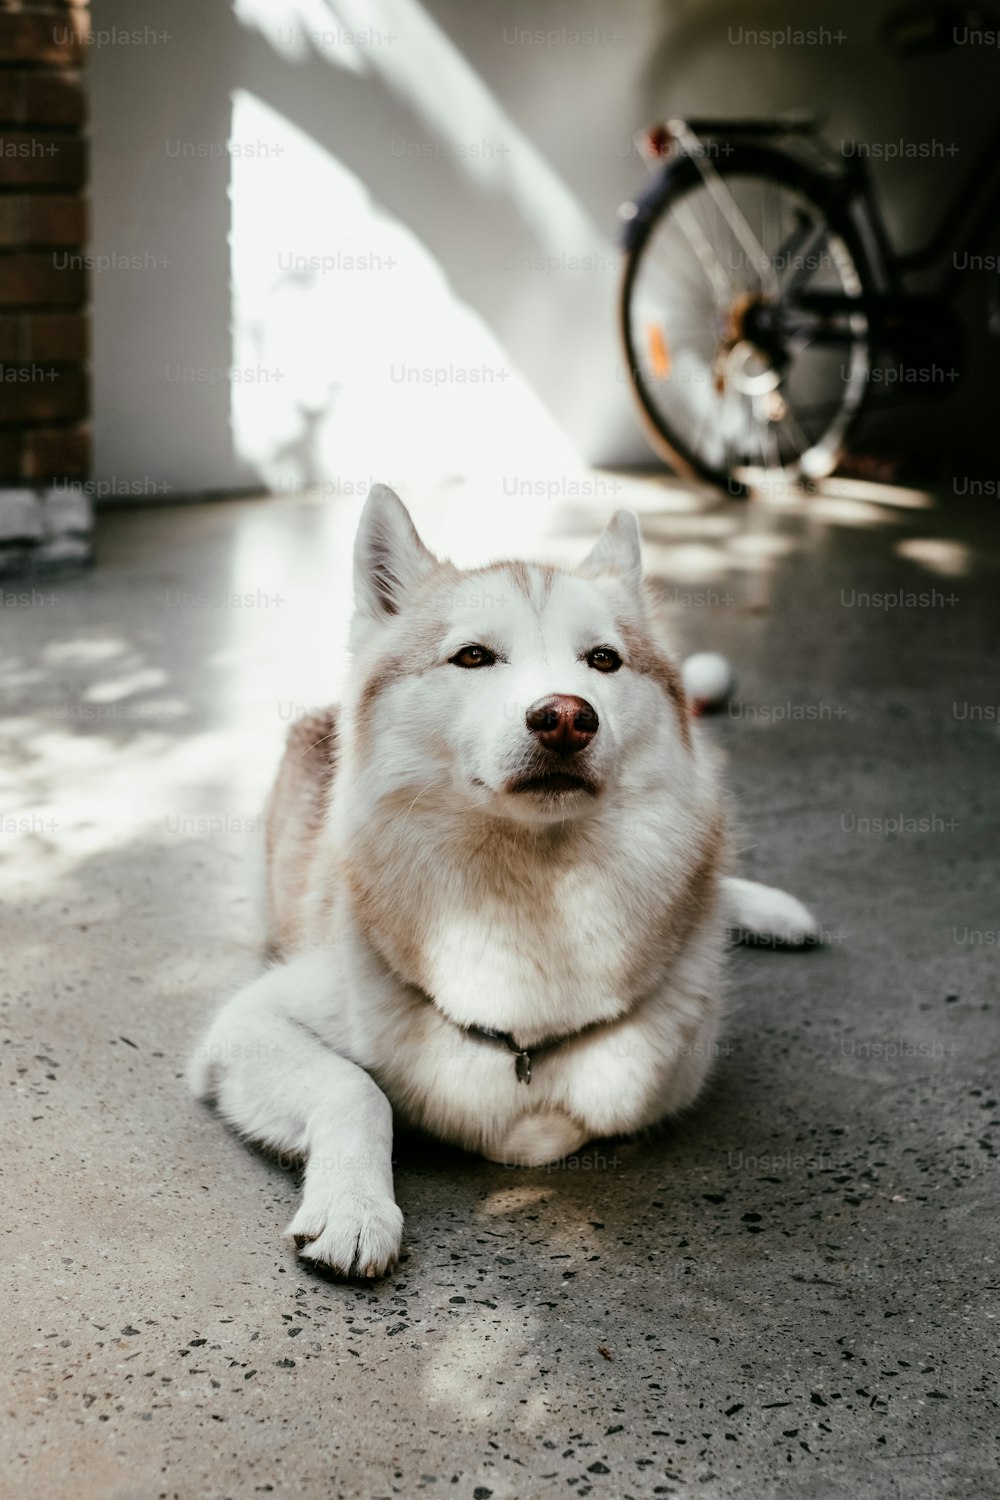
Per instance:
(802,442)
(705,254)
(800,274)
(768,241)
(705,417)
(819,408)
(745,427)
(697,288)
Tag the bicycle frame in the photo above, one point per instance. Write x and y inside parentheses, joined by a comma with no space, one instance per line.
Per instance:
(966,219)
(698,138)
(824,317)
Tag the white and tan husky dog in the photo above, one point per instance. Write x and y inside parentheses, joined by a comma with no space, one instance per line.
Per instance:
(496,886)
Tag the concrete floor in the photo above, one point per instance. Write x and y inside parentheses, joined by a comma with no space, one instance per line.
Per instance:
(791,1294)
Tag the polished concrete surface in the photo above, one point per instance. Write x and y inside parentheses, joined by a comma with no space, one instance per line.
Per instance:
(792,1293)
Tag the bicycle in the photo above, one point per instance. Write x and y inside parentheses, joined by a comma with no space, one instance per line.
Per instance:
(760,290)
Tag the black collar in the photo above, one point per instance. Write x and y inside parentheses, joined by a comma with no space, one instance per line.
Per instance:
(525,1056)
(522,1055)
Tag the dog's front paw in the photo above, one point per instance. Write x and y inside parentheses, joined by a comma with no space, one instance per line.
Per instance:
(354,1234)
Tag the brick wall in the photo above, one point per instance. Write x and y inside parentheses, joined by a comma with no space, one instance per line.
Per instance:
(44,285)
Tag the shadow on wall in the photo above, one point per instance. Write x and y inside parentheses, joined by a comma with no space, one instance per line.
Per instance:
(365,328)
(381,234)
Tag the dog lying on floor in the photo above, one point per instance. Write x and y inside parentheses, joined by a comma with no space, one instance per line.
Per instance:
(496,886)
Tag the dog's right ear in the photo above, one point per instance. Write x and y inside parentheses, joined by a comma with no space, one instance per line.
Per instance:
(617,550)
(389,556)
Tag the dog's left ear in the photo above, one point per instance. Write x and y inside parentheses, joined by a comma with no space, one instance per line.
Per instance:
(617,550)
(389,556)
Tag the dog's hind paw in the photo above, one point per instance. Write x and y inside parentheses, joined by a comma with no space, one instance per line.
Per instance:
(352,1234)
(537,1138)
(761,914)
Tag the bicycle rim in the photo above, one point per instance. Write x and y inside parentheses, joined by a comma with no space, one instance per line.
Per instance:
(714,404)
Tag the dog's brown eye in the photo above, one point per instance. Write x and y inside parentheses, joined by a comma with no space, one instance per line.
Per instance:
(474,656)
(603,659)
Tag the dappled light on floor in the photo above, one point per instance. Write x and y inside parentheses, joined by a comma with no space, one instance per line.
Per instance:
(937,555)
(150,703)
(153,714)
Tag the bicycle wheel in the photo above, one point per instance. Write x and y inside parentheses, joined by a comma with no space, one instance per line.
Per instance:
(703,254)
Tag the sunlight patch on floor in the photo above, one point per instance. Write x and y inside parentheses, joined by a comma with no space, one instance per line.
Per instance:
(937,555)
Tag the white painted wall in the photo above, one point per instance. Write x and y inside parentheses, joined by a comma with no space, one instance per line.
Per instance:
(486,159)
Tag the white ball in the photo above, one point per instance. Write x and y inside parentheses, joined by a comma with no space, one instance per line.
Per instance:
(709,680)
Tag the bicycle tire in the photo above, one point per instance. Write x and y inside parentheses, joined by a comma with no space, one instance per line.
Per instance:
(769,165)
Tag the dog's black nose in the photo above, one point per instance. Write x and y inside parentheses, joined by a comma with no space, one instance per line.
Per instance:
(562,723)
